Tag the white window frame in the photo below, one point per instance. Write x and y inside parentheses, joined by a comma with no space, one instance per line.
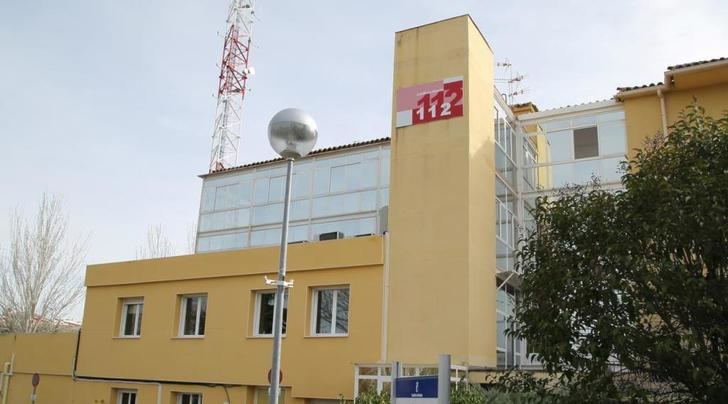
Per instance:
(183,310)
(256,315)
(314,311)
(125,303)
(180,395)
(119,394)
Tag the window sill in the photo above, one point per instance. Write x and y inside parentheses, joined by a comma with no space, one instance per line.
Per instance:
(263,336)
(189,337)
(327,336)
(126,337)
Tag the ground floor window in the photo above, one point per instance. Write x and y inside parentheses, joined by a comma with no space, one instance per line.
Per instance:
(126,397)
(189,398)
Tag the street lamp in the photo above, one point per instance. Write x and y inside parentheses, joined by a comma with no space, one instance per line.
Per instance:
(292,134)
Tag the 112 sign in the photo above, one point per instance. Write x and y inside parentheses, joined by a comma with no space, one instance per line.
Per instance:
(430,102)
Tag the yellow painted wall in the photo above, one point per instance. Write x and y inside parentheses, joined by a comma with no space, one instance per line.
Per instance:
(320,367)
(643,115)
(441,213)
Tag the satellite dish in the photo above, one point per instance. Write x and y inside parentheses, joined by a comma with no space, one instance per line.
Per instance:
(249,71)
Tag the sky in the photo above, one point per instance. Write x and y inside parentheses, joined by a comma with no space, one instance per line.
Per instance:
(110,104)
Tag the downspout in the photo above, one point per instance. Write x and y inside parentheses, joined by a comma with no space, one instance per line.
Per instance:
(663,111)
(77,378)
(7,372)
(385,299)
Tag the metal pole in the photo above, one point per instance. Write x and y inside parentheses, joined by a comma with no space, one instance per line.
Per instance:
(280,296)
(443,379)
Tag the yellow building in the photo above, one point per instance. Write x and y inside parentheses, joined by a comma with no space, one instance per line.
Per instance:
(393,251)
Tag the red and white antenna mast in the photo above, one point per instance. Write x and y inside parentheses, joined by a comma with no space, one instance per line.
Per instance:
(234,73)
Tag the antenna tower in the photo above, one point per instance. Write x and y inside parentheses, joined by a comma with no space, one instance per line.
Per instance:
(234,74)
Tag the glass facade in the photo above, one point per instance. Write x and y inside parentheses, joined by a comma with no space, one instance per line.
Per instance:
(573,150)
(339,192)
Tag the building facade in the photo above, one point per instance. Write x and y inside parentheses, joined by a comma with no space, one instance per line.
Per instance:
(394,253)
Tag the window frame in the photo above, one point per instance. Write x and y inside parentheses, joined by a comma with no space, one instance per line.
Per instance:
(125,303)
(121,392)
(180,396)
(183,310)
(256,314)
(314,311)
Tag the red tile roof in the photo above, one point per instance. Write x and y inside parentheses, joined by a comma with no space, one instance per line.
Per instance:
(317,151)
(620,89)
(700,62)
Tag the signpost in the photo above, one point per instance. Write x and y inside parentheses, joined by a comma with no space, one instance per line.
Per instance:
(35,381)
(429,102)
(422,389)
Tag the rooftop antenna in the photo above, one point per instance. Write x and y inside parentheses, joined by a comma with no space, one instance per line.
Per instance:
(512,81)
(234,73)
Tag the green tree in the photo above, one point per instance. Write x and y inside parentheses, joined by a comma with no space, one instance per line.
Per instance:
(627,292)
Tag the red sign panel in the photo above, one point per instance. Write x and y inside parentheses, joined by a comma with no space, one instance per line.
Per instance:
(430,102)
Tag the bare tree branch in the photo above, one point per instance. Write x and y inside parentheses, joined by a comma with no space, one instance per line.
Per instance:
(40,275)
(157,244)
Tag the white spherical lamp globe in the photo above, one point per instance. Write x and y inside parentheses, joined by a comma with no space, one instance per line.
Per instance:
(292,133)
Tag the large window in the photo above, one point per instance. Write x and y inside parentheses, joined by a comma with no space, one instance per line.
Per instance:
(264,309)
(189,398)
(193,309)
(340,192)
(131,317)
(330,311)
(126,396)
(576,149)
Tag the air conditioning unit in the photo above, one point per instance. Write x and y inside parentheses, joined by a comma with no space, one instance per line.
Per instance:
(364,235)
(298,242)
(332,235)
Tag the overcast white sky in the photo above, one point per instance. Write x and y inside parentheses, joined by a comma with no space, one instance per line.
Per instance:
(110,103)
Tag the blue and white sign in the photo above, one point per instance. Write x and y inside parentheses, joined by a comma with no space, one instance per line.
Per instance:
(416,390)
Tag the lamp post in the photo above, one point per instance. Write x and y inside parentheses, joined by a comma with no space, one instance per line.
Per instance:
(292,134)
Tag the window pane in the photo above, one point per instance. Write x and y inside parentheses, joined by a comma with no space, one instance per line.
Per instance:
(586,143)
(130,319)
(323,311)
(203,314)
(301,186)
(612,138)
(266,312)
(368,174)
(260,194)
(338,179)
(500,329)
(277,189)
(139,319)
(321,180)
(190,315)
(342,311)
(559,147)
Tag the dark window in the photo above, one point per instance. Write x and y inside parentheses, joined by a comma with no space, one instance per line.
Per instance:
(266,305)
(586,143)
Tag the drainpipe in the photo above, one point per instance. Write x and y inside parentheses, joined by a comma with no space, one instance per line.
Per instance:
(663,111)
(86,379)
(7,372)
(385,299)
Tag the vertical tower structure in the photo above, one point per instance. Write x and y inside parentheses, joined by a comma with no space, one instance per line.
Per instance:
(232,85)
(442,282)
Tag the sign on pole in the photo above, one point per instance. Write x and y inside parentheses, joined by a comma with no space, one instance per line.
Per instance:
(423,389)
(417,390)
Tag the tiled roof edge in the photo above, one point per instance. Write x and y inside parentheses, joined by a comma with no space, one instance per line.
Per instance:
(317,151)
(700,62)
